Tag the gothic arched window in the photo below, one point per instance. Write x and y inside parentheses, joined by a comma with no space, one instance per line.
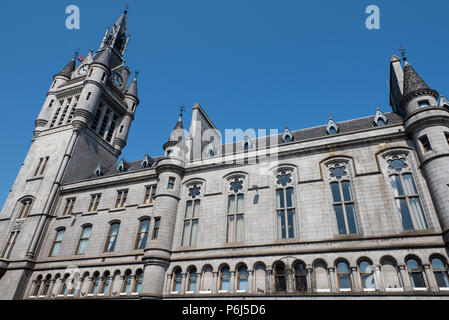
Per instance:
(344,276)
(300,276)
(177,280)
(279,277)
(366,275)
(285,207)
(440,272)
(242,278)
(225,278)
(191,280)
(415,274)
(235,212)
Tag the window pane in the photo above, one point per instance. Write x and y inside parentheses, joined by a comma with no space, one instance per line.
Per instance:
(409,184)
(281,224)
(413,265)
(280,198)
(59,235)
(396,185)
(342,267)
(186,233)
(350,215)
(289,194)
(340,219)
(291,223)
(239,229)
(335,192)
(82,247)
(365,267)
(225,284)
(189,209)
(442,279)
(142,240)
(194,232)
(240,203)
(405,214)
(192,282)
(417,280)
(345,282)
(231,204)
(345,185)
(56,247)
(368,281)
(86,232)
(230,231)
(417,213)
(196,208)
(437,264)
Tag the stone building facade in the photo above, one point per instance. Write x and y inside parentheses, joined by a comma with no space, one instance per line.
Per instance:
(355,209)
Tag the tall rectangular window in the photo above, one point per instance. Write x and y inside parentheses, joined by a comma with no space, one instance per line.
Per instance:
(10,244)
(68,208)
(425,143)
(150,192)
(84,239)
(94,201)
(407,201)
(41,166)
(235,218)
(57,243)
(121,198)
(285,213)
(142,234)
(156,225)
(191,223)
(25,206)
(112,237)
(344,207)
(171,183)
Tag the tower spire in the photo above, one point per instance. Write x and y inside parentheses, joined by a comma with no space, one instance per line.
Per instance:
(117,37)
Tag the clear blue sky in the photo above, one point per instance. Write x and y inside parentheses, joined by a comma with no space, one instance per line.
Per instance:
(250,64)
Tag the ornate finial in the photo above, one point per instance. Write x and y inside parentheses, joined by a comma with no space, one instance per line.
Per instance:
(377,107)
(75,55)
(330,116)
(136,74)
(402,51)
(286,124)
(90,51)
(126,8)
(181,110)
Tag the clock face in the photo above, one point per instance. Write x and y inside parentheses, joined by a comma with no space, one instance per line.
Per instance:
(84,69)
(118,80)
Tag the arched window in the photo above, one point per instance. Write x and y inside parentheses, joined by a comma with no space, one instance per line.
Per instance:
(142,234)
(84,239)
(207,278)
(177,280)
(242,278)
(46,286)
(57,243)
(390,274)
(138,281)
(225,278)
(64,285)
(343,204)
(415,273)
(191,223)
(344,276)
(126,287)
(440,272)
(73,285)
(300,277)
(95,283)
(407,199)
(279,277)
(37,286)
(321,276)
(105,282)
(191,280)
(112,237)
(235,214)
(285,207)
(25,206)
(366,275)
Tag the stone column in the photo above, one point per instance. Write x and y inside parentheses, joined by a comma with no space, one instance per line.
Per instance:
(183,284)
(108,292)
(233,282)
(215,283)
(198,283)
(289,278)
(309,269)
(378,281)
(404,278)
(332,280)
(430,278)
(269,281)
(356,285)
(168,285)
(79,283)
(250,282)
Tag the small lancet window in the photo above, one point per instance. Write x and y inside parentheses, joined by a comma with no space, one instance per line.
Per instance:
(332,127)
(287,136)
(98,172)
(380,119)
(122,167)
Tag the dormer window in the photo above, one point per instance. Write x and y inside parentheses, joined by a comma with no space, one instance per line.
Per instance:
(146,162)
(332,130)
(287,136)
(381,122)
(332,127)
(121,166)
(379,118)
(98,172)
(423,103)
(246,143)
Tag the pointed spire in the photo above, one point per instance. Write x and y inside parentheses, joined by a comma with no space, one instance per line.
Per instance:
(103,57)
(132,89)
(116,37)
(412,80)
(69,68)
(177,133)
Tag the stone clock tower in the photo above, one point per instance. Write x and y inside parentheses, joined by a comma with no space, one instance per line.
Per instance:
(84,120)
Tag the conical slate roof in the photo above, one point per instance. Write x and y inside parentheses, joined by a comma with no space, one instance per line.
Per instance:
(412,81)
(68,69)
(132,89)
(103,57)
(176,135)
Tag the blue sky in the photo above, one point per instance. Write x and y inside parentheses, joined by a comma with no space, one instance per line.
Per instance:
(250,64)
